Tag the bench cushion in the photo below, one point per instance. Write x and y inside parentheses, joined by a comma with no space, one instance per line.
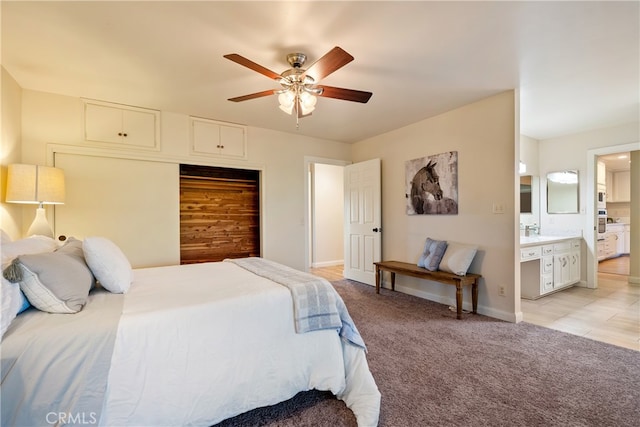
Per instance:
(432,254)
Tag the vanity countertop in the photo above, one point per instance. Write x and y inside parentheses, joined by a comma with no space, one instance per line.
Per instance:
(616,224)
(526,241)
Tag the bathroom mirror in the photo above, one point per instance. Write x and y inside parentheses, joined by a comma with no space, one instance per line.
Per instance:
(529,199)
(526,205)
(562,192)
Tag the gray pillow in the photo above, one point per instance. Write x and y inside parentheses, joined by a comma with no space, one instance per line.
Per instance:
(57,282)
(432,254)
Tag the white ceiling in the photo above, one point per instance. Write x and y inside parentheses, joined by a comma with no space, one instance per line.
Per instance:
(576,63)
(617,161)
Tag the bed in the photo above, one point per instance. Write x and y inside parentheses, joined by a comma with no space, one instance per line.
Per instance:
(183,345)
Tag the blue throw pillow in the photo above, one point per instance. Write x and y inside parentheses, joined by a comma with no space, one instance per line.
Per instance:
(25,303)
(432,254)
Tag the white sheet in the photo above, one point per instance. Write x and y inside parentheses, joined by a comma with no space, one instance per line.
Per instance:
(55,366)
(201,343)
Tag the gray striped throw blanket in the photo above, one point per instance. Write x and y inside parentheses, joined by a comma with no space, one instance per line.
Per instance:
(316,304)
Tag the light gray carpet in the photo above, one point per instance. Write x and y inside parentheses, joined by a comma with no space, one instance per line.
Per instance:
(434,370)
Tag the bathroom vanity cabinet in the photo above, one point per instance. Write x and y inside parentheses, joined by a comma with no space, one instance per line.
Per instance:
(548,264)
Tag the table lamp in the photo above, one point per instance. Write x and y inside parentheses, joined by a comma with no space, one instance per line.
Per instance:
(40,185)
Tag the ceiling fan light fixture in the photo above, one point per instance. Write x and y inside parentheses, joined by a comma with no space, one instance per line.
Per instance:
(308,98)
(306,109)
(313,90)
(298,91)
(287,109)
(287,101)
(307,102)
(286,98)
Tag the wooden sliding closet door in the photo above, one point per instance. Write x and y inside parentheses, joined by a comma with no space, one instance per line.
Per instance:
(219,213)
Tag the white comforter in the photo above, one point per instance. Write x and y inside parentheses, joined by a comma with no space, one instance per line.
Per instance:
(200,343)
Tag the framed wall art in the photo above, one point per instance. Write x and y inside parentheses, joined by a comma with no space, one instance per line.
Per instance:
(432,185)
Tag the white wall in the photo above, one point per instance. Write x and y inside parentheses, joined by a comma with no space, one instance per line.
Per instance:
(529,154)
(484,134)
(10,213)
(328,208)
(54,122)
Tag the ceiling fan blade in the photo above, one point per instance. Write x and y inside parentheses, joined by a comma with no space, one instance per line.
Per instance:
(252,96)
(345,94)
(335,59)
(252,65)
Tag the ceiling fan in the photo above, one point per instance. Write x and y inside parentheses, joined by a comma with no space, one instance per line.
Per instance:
(299,88)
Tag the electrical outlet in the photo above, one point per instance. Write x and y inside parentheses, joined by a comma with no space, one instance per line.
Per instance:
(501,291)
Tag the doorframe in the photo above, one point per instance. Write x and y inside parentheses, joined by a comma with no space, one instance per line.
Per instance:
(308,191)
(589,234)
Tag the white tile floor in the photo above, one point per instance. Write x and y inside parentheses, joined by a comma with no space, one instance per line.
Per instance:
(610,313)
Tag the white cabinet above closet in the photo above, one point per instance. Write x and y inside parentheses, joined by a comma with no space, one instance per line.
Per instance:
(219,139)
(121,126)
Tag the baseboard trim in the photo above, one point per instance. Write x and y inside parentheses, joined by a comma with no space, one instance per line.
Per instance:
(327,263)
(466,305)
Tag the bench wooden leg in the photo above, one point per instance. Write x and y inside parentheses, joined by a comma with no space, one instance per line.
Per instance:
(459,300)
(378,273)
(474,297)
(393,281)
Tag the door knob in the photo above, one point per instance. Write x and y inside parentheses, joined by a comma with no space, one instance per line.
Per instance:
(377,230)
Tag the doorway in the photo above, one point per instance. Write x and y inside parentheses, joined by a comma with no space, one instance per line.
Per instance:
(614,244)
(361,214)
(325,212)
(595,247)
(327,224)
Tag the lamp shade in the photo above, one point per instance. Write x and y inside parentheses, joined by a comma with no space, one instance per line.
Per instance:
(35,184)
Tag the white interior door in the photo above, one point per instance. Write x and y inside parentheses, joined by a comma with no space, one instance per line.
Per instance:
(362,220)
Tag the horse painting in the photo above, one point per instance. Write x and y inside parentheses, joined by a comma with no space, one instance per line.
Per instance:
(425,195)
(425,182)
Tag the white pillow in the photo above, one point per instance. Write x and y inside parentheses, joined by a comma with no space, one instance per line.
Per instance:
(28,246)
(457,258)
(108,264)
(11,299)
